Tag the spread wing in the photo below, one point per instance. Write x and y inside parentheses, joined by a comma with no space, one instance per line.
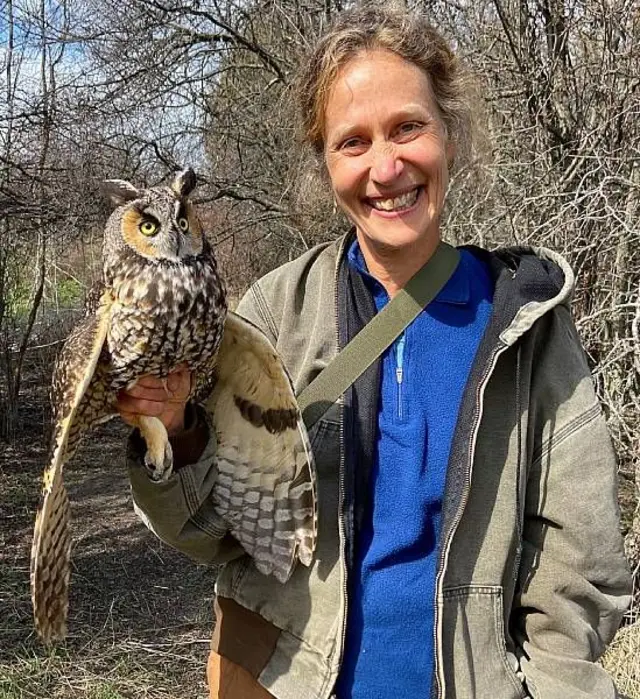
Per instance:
(266,487)
(93,298)
(50,552)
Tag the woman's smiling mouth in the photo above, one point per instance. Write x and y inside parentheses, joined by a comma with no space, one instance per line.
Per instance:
(402,202)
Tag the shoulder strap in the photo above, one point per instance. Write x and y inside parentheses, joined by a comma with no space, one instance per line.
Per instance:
(378,334)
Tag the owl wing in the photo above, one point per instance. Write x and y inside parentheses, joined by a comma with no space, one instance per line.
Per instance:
(93,298)
(266,485)
(50,552)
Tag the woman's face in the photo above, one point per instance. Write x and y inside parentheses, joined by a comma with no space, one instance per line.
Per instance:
(386,152)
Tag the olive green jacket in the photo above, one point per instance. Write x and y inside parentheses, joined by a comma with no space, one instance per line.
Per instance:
(532,581)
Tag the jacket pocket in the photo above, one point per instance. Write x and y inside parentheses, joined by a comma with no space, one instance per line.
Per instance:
(477,663)
(231,575)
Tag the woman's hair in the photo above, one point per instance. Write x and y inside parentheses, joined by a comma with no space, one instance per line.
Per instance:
(408,34)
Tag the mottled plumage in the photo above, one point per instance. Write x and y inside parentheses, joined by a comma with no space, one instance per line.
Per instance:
(162,304)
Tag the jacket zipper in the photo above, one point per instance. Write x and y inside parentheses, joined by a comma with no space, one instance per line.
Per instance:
(444,555)
(400,370)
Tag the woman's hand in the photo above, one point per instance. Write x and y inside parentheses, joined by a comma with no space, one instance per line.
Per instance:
(153,397)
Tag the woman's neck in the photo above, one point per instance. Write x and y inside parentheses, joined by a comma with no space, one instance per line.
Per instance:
(393,267)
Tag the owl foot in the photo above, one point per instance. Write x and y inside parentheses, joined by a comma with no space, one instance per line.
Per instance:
(159,461)
(159,457)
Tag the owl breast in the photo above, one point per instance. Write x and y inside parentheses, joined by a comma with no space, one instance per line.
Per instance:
(164,314)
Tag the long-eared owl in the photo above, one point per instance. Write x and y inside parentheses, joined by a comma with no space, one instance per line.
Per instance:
(162,304)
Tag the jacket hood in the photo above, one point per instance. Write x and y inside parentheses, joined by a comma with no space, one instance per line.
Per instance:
(529,282)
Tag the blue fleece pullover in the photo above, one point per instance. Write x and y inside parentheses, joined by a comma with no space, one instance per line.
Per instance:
(389,646)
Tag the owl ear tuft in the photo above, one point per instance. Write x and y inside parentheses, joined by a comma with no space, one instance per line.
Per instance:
(119,191)
(184,182)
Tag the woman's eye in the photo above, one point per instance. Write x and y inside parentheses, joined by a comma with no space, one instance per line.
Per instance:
(353,145)
(148,227)
(409,128)
(183,224)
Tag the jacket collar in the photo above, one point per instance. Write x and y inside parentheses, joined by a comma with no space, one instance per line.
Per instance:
(529,283)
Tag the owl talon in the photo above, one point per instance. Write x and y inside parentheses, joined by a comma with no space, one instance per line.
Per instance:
(159,463)
(159,457)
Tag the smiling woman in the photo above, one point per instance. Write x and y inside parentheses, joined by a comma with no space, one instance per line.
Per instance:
(448,561)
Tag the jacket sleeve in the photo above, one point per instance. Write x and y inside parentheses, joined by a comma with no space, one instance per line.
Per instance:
(574,581)
(180,511)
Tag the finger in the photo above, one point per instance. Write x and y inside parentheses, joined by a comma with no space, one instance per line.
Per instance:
(147,393)
(179,381)
(176,381)
(160,402)
(129,418)
(139,406)
(149,381)
(154,381)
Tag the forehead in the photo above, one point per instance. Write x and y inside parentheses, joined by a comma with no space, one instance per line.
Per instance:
(377,82)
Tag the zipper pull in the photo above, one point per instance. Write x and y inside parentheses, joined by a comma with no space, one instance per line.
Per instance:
(399,374)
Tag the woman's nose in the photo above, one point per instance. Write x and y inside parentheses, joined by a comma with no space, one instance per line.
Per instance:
(386,166)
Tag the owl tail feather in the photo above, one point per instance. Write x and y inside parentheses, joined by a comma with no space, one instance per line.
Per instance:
(50,558)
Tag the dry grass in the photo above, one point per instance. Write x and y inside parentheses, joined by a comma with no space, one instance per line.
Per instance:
(622,660)
(140,614)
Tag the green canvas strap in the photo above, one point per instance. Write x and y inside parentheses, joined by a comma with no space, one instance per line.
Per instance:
(378,334)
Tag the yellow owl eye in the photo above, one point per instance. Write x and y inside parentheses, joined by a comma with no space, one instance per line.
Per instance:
(184,224)
(148,228)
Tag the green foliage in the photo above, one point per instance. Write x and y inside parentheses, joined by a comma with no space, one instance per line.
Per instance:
(18,681)
(69,292)
(19,297)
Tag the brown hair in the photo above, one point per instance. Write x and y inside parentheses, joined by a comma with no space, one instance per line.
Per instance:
(370,26)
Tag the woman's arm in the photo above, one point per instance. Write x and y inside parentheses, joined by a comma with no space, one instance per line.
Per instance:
(574,581)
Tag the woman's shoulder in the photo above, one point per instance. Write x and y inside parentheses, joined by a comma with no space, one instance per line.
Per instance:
(295,293)
(312,265)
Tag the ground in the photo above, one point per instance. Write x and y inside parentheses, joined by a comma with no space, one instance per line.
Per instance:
(140,613)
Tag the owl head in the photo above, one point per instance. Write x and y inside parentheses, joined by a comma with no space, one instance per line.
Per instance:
(157,223)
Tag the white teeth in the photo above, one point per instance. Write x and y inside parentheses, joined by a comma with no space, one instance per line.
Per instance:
(404,201)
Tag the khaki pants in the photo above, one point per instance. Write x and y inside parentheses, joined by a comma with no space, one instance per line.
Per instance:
(230,681)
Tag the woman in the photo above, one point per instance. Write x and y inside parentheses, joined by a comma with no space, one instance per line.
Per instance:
(468,535)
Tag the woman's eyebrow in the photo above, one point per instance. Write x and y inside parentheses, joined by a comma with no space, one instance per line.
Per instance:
(342,132)
(414,111)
